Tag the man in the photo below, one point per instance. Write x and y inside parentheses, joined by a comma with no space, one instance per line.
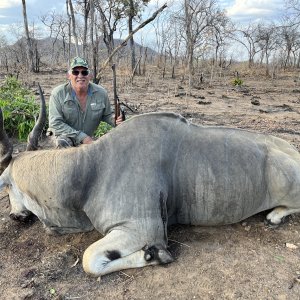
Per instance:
(77,107)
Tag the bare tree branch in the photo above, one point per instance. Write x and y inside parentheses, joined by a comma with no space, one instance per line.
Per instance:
(126,40)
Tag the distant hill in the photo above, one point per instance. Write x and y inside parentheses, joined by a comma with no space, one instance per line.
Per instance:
(55,51)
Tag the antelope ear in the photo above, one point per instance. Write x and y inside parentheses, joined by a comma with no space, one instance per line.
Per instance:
(6,147)
(33,137)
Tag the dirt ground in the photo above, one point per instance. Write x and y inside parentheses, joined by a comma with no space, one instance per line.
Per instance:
(242,261)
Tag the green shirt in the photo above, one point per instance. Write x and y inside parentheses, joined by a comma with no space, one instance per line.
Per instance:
(67,118)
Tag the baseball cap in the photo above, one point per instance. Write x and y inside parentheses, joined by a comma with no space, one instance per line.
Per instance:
(79,62)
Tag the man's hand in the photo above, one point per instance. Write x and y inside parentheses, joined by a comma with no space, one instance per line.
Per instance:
(119,120)
(87,140)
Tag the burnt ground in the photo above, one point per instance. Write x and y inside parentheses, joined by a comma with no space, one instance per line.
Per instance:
(242,261)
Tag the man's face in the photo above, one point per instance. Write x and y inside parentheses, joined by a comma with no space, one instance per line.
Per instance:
(79,78)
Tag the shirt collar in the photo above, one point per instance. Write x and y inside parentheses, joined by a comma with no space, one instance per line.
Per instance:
(73,94)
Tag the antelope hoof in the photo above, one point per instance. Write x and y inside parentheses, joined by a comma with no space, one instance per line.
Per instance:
(23,216)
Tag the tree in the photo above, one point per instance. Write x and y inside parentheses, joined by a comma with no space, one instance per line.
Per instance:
(199,16)
(28,39)
(71,15)
(134,8)
(111,13)
(57,23)
(86,12)
(4,52)
(124,42)
(94,43)
(220,32)
(267,42)
(289,40)
(293,10)
(173,41)
(248,38)
(131,15)
(161,37)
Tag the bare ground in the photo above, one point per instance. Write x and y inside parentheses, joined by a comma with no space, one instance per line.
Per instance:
(241,261)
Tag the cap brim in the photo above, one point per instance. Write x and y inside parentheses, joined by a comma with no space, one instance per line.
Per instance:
(79,66)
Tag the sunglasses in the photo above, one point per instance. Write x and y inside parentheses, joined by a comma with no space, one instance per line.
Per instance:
(83,72)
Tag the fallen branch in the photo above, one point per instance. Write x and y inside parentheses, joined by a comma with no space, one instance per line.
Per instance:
(182,244)
(106,62)
(289,131)
(204,102)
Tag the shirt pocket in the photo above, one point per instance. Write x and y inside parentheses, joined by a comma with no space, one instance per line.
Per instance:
(70,112)
(97,110)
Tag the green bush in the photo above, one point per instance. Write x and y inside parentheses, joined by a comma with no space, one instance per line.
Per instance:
(237,82)
(102,129)
(19,108)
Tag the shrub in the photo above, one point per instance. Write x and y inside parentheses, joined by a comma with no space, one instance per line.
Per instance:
(19,108)
(102,129)
(237,82)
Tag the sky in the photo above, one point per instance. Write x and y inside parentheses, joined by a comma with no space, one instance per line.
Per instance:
(241,11)
(252,10)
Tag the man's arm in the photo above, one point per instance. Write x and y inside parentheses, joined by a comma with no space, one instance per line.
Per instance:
(57,122)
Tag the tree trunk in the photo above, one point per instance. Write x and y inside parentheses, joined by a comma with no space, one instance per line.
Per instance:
(140,67)
(84,38)
(145,59)
(72,16)
(131,40)
(267,64)
(6,62)
(28,40)
(298,61)
(69,32)
(190,45)
(93,44)
(37,58)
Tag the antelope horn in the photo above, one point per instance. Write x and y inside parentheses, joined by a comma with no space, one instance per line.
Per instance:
(33,137)
(6,147)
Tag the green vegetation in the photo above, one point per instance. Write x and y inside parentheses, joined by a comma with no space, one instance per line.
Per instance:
(102,129)
(237,82)
(19,108)
(52,292)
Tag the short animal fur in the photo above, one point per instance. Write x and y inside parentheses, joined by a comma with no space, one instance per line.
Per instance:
(152,171)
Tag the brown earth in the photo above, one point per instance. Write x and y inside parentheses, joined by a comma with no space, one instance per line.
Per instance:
(241,261)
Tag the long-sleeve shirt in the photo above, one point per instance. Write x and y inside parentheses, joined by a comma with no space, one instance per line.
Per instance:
(67,118)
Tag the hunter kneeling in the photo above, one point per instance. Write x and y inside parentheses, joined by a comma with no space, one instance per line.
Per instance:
(76,108)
